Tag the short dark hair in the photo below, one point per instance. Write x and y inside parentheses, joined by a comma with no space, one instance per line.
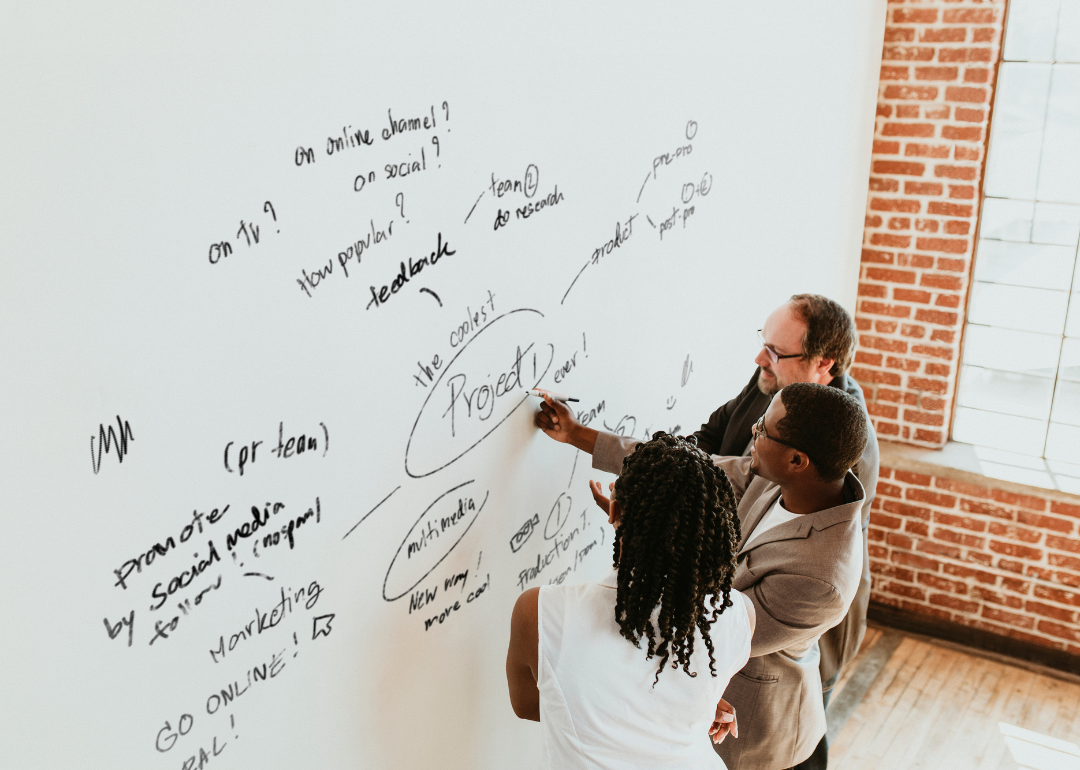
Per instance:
(830,331)
(825,423)
(675,548)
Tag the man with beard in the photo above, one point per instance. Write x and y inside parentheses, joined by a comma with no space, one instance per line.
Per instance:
(810,339)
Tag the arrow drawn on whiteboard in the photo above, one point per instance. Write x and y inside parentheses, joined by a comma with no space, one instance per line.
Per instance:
(321,626)
(473,208)
(357,524)
(642,188)
(258,574)
(433,294)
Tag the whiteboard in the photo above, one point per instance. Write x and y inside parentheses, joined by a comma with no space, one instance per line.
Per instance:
(275,278)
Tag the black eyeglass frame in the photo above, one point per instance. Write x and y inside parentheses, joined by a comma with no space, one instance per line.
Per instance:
(773,355)
(759,430)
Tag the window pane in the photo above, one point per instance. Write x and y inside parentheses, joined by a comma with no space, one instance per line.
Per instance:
(1031,31)
(1007,220)
(1056,223)
(1013,351)
(1067,403)
(1000,431)
(1059,171)
(1063,443)
(1070,360)
(1007,392)
(1072,328)
(1019,475)
(1064,469)
(1015,307)
(1068,39)
(1025,264)
(1009,458)
(1016,142)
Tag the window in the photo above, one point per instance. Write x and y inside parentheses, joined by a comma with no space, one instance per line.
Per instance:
(1018,399)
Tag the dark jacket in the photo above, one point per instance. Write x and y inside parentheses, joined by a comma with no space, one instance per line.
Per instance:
(728,433)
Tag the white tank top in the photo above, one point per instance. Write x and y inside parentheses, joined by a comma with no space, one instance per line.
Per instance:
(598,706)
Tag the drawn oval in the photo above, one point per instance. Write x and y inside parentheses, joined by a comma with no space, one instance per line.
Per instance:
(430,540)
(458,414)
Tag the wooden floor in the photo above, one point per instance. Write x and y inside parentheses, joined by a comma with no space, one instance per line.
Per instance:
(912,702)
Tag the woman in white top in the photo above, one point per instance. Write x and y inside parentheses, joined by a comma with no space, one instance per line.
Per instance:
(576,661)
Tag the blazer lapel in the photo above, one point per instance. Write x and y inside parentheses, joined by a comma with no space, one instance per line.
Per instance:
(756,510)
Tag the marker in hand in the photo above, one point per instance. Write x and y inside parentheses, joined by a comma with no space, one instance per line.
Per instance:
(540,393)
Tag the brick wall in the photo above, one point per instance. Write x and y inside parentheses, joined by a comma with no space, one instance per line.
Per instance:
(937,79)
(998,560)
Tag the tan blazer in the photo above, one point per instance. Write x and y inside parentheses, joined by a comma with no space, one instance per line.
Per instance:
(801,576)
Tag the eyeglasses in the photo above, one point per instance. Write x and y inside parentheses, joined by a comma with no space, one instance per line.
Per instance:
(759,430)
(773,355)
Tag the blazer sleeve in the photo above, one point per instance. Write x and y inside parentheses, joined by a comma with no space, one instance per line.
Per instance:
(792,609)
(610,450)
(710,436)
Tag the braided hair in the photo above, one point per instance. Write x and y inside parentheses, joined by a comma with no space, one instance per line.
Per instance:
(675,547)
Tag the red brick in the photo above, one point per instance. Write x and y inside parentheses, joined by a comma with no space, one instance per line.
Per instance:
(931,404)
(871,221)
(892,276)
(960,605)
(895,204)
(887,239)
(899,223)
(910,129)
(958,55)
(963,191)
(897,540)
(895,73)
(1010,532)
(1011,566)
(922,383)
(1011,618)
(901,589)
(887,428)
(920,609)
(949,209)
(970,16)
(863,357)
(958,133)
(899,35)
(872,375)
(942,335)
(899,167)
(936,111)
(909,53)
(947,282)
(969,115)
(1024,501)
(889,490)
(964,522)
(878,551)
(872,290)
(1046,610)
(1060,631)
(967,572)
(916,93)
(955,172)
(878,257)
(923,188)
(1060,560)
(1017,550)
(926,225)
(959,538)
(917,528)
(939,549)
(921,261)
(984,35)
(907,110)
(878,184)
(976,75)
(912,295)
(880,343)
(967,153)
(1066,578)
(948,245)
(915,149)
(1067,509)
(986,595)
(887,148)
(903,364)
(916,561)
(937,73)
(884,110)
(933,437)
(883,410)
(974,506)
(943,35)
(888,570)
(942,584)
(1057,595)
(969,94)
(879,519)
(1063,543)
(1016,586)
(978,557)
(923,418)
(915,16)
(905,509)
(961,488)
(955,227)
(938,370)
(908,477)
(947,300)
(1044,522)
(935,352)
(936,317)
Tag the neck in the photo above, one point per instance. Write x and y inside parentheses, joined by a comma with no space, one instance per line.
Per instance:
(811,497)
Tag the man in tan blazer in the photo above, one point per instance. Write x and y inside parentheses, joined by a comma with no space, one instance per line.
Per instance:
(799,562)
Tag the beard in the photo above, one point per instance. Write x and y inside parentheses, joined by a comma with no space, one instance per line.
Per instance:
(767,386)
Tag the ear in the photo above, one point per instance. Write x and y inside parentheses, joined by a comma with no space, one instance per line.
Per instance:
(821,370)
(798,462)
